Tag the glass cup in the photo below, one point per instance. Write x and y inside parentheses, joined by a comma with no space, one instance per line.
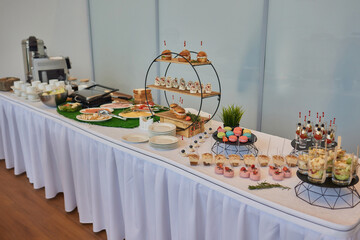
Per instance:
(303,160)
(317,169)
(207,159)
(220,159)
(343,170)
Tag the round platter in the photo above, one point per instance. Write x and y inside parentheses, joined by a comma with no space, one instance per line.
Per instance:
(328,183)
(252,140)
(116,105)
(95,110)
(102,120)
(135,138)
(311,144)
(134,115)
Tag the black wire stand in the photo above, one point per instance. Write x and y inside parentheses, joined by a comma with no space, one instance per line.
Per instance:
(219,147)
(327,195)
(193,66)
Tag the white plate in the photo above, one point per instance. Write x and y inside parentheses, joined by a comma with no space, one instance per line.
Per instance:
(84,110)
(78,118)
(135,138)
(117,105)
(162,127)
(164,140)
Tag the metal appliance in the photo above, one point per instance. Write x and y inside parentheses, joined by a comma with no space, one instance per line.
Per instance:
(37,64)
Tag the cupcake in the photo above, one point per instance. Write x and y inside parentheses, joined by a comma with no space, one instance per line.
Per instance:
(228,172)
(207,159)
(234,160)
(244,173)
(193,89)
(194,159)
(175,83)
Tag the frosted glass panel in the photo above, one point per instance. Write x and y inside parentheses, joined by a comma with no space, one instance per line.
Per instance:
(232,33)
(124,41)
(312,63)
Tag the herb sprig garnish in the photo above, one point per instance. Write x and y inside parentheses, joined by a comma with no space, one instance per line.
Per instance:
(265,185)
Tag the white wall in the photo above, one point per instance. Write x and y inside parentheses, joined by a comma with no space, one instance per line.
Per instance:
(312,63)
(62,24)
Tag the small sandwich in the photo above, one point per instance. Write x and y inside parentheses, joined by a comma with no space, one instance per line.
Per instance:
(179,112)
(194,159)
(278,160)
(184,54)
(291,160)
(220,159)
(263,160)
(207,159)
(234,160)
(173,106)
(249,159)
(166,55)
(202,57)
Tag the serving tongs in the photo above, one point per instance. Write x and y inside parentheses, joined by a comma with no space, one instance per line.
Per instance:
(106,113)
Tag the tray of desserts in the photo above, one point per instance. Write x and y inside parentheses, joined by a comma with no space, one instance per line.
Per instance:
(236,136)
(328,181)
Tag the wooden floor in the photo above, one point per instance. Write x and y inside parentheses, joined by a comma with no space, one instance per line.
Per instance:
(26,214)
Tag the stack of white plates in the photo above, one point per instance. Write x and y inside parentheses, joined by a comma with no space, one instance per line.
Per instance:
(164,142)
(162,129)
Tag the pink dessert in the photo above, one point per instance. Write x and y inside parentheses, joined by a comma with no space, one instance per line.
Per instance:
(232,138)
(272,169)
(244,173)
(255,175)
(252,168)
(243,139)
(228,172)
(219,169)
(287,172)
(278,175)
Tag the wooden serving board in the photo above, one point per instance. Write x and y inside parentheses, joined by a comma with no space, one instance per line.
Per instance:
(187,92)
(182,124)
(176,60)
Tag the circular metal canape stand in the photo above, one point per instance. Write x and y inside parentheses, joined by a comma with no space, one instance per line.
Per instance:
(327,195)
(177,55)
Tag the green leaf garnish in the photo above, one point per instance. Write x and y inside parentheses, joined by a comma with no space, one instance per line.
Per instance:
(265,185)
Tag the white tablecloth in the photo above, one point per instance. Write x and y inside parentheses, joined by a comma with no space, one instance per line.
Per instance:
(137,192)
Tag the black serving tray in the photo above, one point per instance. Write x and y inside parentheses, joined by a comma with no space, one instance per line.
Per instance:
(328,183)
(252,140)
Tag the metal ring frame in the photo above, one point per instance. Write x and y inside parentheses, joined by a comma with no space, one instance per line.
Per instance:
(201,90)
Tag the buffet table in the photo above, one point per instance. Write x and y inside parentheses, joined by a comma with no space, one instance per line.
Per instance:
(138,192)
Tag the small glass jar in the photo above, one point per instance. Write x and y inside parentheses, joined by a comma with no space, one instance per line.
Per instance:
(317,169)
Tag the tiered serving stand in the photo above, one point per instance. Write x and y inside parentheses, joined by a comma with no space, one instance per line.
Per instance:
(184,125)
